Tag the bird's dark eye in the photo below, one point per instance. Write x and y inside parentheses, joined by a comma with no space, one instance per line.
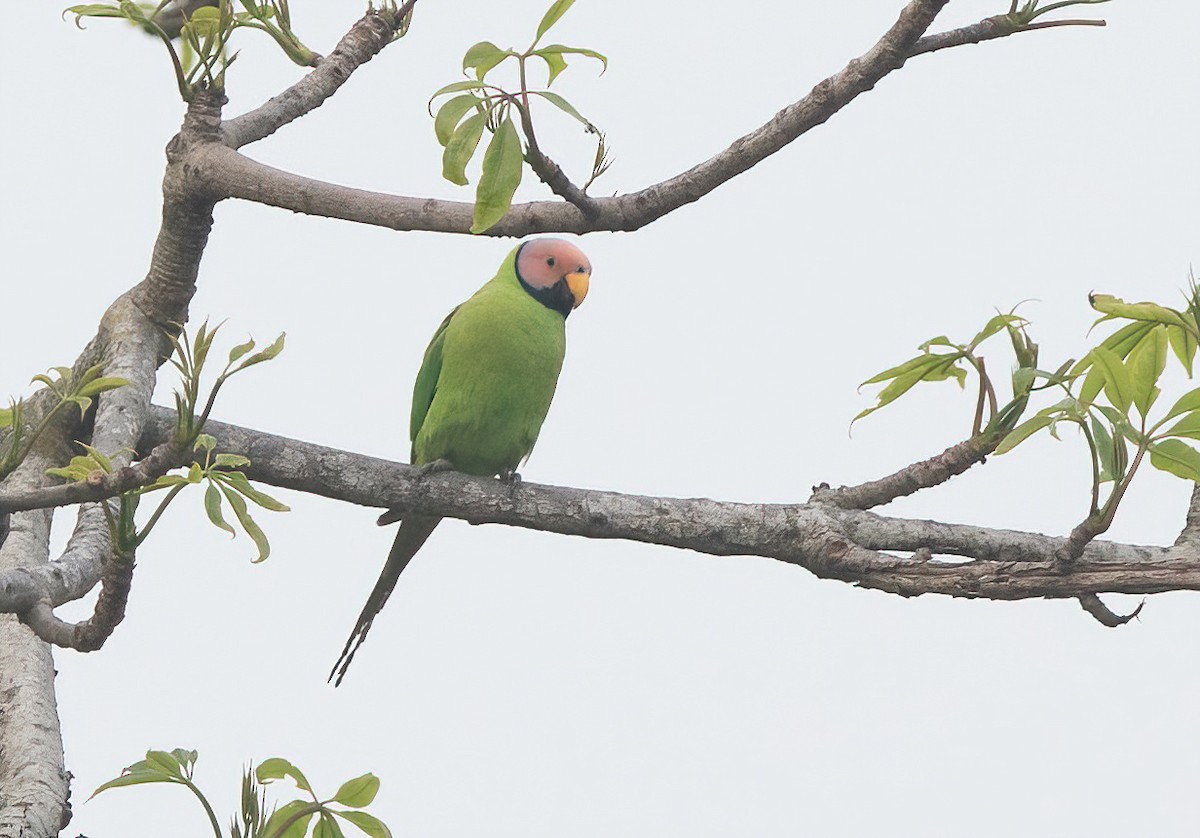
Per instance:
(550,261)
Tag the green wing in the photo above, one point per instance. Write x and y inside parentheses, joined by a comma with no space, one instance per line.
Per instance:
(427,379)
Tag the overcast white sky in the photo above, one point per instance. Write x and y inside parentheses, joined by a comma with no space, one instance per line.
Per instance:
(526,684)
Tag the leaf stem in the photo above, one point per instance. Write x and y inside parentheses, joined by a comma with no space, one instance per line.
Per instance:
(162,507)
(212,816)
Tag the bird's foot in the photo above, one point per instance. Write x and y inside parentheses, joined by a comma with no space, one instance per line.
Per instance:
(510,476)
(440,464)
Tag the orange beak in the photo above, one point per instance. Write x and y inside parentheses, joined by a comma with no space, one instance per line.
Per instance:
(578,283)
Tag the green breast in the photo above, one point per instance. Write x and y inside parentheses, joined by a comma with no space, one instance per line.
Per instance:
(501,354)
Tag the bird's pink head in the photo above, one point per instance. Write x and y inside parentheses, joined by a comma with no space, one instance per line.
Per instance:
(555,272)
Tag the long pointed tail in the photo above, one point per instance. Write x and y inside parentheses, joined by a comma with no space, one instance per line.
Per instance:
(413,532)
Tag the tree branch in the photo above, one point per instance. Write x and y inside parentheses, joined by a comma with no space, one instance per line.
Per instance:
(923,475)
(364,41)
(230,175)
(830,542)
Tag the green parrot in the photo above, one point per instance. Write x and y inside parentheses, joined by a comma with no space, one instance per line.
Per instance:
(484,388)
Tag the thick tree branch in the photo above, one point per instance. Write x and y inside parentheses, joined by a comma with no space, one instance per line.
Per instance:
(364,41)
(829,541)
(229,175)
(132,343)
(233,176)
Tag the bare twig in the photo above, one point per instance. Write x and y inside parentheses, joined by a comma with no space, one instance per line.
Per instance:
(923,475)
(988,29)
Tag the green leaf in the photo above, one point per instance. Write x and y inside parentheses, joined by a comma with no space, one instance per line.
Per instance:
(186,759)
(911,364)
(1122,342)
(1146,364)
(940,340)
(561,50)
(101,461)
(461,148)
(1117,384)
(555,64)
(101,385)
(231,461)
(1120,424)
(265,354)
(563,105)
(240,350)
(457,87)
(78,470)
(557,9)
(1105,451)
(327,827)
(1183,344)
(276,768)
(281,816)
(252,529)
(212,507)
(1112,307)
(450,114)
(1188,426)
(1022,432)
(1093,383)
(6,417)
(1176,458)
(1188,402)
(503,162)
(925,368)
(483,56)
(371,825)
(358,792)
(238,481)
(165,762)
(206,442)
(135,777)
(996,324)
(82,402)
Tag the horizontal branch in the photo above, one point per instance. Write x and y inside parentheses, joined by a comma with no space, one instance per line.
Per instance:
(829,541)
(231,175)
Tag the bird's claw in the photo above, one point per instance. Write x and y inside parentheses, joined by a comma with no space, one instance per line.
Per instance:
(440,464)
(510,476)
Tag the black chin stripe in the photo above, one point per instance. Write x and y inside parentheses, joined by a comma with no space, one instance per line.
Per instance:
(557,297)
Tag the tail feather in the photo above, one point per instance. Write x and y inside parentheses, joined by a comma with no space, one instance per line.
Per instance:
(413,533)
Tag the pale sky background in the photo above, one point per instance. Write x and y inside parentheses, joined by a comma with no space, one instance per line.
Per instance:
(527,684)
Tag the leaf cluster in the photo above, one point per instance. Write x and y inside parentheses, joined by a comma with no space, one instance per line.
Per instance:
(226,484)
(941,359)
(1109,395)
(69,389)
(203,57)
(255,820)
(481,104)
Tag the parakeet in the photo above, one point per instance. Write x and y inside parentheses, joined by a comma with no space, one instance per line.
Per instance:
(484,388)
